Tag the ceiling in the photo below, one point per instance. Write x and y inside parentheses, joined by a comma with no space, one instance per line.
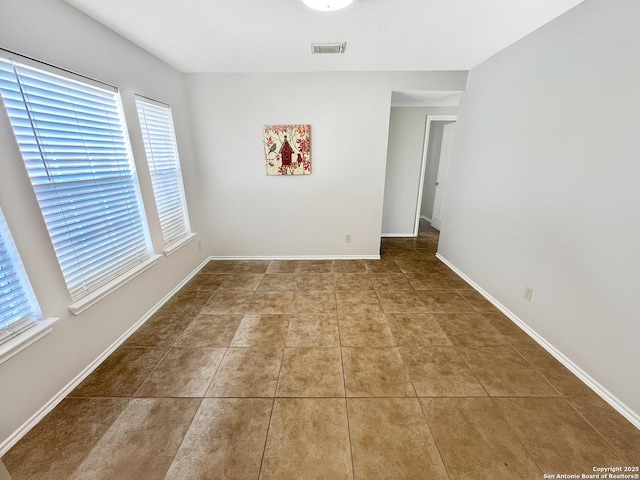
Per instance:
(226,36)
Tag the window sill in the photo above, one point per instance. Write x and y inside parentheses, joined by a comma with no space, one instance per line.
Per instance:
(14,346)
(176,246)
(81,305)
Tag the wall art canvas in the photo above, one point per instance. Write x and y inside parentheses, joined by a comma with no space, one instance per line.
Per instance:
(287,149)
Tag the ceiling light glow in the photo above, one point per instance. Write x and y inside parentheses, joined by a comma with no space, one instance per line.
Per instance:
(327,5)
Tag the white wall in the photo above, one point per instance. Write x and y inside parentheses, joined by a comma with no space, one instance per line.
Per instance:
(433,162)
(404,161)
(251,214)
(56,33)
(545,183)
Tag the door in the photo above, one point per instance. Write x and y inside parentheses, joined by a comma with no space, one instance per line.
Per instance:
(443,175)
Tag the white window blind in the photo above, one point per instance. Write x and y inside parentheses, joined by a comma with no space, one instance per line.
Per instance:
(17,303)
(74,143)
(160,146)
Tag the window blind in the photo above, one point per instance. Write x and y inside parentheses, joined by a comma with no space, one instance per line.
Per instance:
(74,144)
(16,299)
(160,146)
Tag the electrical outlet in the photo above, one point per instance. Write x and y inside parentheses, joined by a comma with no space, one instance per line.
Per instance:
(347,238)
(528,292)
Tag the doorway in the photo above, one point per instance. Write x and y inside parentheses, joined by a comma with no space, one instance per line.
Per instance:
(432,188)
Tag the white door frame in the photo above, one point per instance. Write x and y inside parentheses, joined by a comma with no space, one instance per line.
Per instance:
(424,166)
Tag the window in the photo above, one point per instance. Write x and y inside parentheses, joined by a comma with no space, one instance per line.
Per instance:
(73,141)
(164,164)
(18,306)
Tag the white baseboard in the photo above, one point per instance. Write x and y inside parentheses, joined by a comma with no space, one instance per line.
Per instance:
(428,219)
(605,394)
(393,235)
(57,398)
(296,257)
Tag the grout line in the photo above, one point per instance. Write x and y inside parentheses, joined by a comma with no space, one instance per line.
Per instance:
(346,405)
(435,440)
(621,453)
(266,437)
(186,432)
(273,403)
(515,432)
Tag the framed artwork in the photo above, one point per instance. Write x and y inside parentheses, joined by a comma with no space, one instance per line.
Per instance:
(287,149)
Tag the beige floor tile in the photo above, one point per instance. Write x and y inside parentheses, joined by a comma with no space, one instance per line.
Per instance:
(349,266)
(278,282)
(503,372)
(382,266)
(262,331)
(272,302)
(315,302)
(308,439)
(352,281)
(315,282)
(242,281)
(142,442)
(509,330)
(252,266)
(210,331)
(390,282)
(229,301)
(394,242)
(121,374)
(362,301)
(407,254)
(445,301)
(453,279)
(404,301)
(311,372)
(390,439)
(56,446)
(469,329)
(364,330)
(553,371)
(414,263)
(557,437)
(440,372)
(226,440)
(185,303)
(430,234)
(205,282)
(316,266)
(375,372)
(161,330)
(183,372)
(427,281)
(614,427)
(313,330)
(284,266)
(247,372)
(478,302)
(416,329)
(476,442)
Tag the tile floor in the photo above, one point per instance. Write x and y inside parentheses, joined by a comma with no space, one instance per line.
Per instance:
(389,369)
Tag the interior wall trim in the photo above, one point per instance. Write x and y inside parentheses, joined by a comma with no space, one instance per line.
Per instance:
(6,445)
(601,391)
(393,235)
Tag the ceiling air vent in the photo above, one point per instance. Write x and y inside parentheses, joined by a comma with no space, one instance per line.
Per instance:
(328,47)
